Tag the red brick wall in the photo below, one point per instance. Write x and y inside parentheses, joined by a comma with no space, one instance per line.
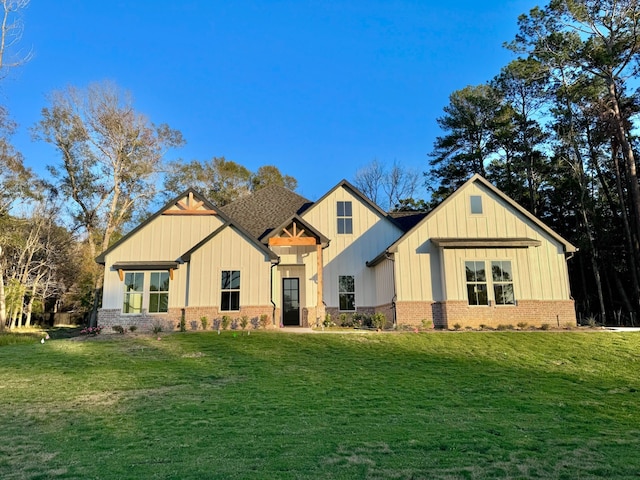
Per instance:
(447,314)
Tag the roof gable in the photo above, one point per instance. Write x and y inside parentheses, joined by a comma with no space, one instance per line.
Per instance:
(190,202)
(568,247)
(295,228)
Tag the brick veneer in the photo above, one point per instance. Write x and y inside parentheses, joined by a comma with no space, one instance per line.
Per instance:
(447,314)
(145,321)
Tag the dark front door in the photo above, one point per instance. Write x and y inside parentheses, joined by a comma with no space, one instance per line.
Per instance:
(291,301)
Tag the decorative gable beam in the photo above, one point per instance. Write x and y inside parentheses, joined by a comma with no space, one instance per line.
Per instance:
(191,206)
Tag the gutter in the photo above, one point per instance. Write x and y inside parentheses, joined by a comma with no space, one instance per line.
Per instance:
(273,304)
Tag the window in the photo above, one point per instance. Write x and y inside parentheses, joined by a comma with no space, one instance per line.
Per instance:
(133,290)
(159,292)
(347,293)
(476,204)
(345,221)
(230,290)
(476,283)
(502,282)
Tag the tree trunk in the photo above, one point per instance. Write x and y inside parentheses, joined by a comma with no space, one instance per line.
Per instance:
(3,300)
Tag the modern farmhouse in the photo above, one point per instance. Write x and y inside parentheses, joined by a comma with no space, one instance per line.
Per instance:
(477,259)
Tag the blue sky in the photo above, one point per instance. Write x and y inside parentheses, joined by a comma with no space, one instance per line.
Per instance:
(317,88)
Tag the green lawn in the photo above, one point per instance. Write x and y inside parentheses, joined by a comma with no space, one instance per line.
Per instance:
(285,406)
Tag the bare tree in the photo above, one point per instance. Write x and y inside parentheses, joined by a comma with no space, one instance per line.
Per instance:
(111,156)
(369,180)
(11,33)
(386,188)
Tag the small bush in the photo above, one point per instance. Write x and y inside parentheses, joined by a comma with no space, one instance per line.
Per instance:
(468,327)
(457,326)
(226,320)
(502,327)
(255,323)
(522,325)
(357,319)
(428,324)
(183,323)
(545,326)
(133,328)
(156,326)
(244,321)
(234,324)
(216,324)
(204,321)
(91,330)
(327,320)
(379,320)
(118,329)
(483,326)
(569,326)
(264,320)
(194,325)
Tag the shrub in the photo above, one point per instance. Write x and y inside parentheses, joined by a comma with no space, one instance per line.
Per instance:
(91,330)
(264,320)
(344,320)
(244,321)
(504,327)
(427,323)
(457,326)
(569,326)
(255,323)
(133,328)
(118,329)
(522,325)
(204,321)
(226,320)
(156,326)
(358,319)
(183,323)
(379,320)
(544,326)
(483,326)
(194,325)
(327,320)
(216,324)
(234,324)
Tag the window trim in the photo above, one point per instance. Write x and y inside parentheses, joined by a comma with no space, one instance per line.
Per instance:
(476,283)
(490,282)
(230,291)
(344,219)
(159,293)
(352,293)
(127,294)
(476,201)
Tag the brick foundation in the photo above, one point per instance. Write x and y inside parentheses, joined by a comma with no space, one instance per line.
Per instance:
(171,320)
(533,313)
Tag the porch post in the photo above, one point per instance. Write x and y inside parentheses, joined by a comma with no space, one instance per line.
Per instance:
(319,302)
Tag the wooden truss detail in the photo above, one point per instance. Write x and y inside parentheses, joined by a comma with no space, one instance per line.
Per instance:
(292,236)
(192,206)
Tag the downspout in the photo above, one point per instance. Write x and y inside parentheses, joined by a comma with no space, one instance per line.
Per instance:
(391,258)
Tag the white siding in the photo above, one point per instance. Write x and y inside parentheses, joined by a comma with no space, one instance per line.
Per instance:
(348,254)
(540,272)
(229,250)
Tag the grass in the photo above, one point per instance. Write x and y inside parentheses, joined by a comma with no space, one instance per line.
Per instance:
(468,405)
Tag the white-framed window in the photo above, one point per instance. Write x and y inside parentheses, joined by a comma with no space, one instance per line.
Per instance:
(133,292)
(475,204)
(230,290)
(345,217)
(497,287)
(347,293)
(159,292)
(502,278)
(476,282)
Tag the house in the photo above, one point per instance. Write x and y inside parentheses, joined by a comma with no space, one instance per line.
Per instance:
(477,259)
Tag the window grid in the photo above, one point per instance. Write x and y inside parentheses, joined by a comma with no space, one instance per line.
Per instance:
(133,292)
(476,283)
(345,217)
(346,293)
(159,292)
(502,282)
(230,290)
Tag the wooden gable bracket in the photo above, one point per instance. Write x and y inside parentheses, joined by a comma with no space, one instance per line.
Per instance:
(292,238)
(190,207)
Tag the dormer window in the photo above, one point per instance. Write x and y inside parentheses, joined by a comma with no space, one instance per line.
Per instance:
(345,220)
(476,204)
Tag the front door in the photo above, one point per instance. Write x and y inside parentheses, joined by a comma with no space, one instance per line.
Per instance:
(291,301)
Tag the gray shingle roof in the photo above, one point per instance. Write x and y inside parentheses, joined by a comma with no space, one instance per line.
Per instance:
(265,209)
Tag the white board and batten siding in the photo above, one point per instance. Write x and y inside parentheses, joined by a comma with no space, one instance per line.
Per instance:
(165,238)
(229,250)
(347,254)
(426,272)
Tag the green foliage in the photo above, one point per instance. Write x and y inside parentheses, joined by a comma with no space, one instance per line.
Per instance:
(204,321)
(379,320)
(264,320)
(244,321)
(133,328)
(327,322)
(183,323)
(226,320)
(118,329)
